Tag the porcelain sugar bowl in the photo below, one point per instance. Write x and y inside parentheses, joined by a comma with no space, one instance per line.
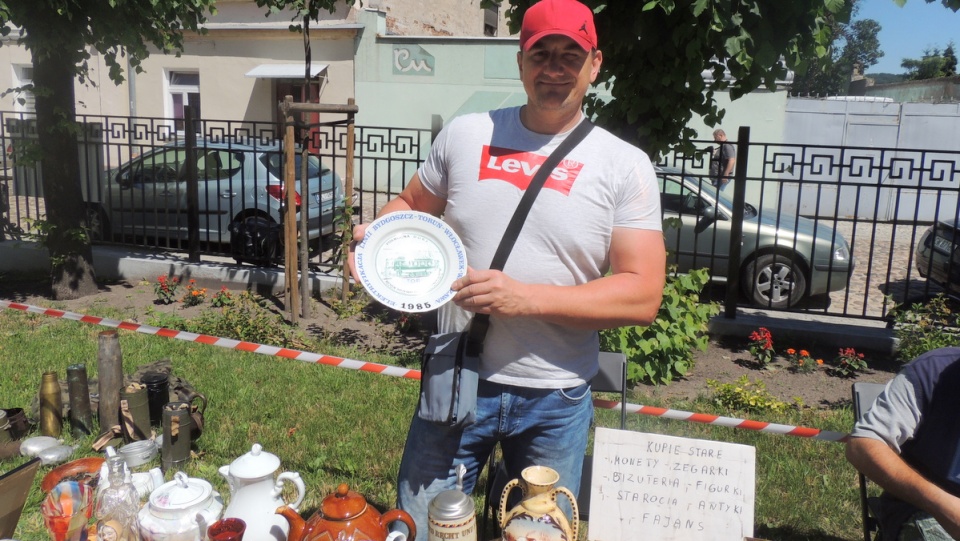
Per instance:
(180,510)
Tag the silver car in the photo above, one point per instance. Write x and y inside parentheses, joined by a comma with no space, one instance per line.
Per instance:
(937,256)
(237,182)
(784,258)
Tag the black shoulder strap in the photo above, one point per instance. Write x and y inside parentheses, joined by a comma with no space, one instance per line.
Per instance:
(481,322)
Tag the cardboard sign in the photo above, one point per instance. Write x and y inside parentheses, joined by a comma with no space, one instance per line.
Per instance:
(660,488)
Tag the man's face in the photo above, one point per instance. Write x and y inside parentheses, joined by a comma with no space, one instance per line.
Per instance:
(556,72)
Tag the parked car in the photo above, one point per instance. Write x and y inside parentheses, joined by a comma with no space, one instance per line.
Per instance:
(784,258)
(147,196)
(938,259)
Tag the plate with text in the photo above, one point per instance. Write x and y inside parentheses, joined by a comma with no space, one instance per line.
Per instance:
(408,261)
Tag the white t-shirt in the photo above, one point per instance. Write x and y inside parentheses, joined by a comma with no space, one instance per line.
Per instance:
(481,163)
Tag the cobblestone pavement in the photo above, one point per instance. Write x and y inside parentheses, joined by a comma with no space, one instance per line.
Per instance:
(883,255)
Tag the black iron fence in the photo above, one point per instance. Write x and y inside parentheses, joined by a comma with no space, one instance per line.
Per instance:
(841,224)
(135,174)
(824,230)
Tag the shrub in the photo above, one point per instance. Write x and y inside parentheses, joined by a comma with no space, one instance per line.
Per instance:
(848,363)
(222,298)
(761,346)
(801,361)
(249,320)
(924,327)
(166,289)
(194,295)
(356,301)
(745,395)
(664,350)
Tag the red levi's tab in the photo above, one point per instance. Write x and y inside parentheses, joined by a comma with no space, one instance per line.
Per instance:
(518,168)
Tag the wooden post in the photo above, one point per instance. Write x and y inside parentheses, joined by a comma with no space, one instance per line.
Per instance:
(109,379)
(291,291)
(288,108)
(347,198)
(304,235)
(193,187)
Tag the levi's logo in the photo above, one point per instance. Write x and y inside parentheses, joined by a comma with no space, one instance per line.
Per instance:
(518,168)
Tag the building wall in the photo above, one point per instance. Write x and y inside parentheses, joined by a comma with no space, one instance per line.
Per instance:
(451,18)
(887,146)
(403,81)
(223,57)
(941,90)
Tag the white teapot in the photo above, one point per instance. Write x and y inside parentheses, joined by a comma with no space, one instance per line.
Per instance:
(255,494)
(180,510)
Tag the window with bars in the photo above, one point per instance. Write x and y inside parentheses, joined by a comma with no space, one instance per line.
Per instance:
(23,100)
(183,90)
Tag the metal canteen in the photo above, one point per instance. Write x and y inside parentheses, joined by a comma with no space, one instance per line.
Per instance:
(345,515)
(255,494)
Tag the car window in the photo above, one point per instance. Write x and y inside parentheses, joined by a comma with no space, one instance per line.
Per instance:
(676,197)
(218,164)
(158,167)
(273,161)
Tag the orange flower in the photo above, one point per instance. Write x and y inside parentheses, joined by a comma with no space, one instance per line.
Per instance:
(819,361)
(804,353)
(791,351)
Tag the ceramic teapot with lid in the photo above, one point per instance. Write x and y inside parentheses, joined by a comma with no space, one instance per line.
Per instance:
(255,494)
(345,516)
(180,510)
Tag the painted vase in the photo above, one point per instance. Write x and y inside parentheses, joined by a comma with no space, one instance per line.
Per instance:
(537,516)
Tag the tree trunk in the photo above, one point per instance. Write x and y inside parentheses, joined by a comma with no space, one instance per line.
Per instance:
(71,257)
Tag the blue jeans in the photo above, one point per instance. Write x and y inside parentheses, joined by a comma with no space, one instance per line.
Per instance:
(547,427)
(922,527)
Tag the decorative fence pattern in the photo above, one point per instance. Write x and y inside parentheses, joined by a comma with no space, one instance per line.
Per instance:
(880,200)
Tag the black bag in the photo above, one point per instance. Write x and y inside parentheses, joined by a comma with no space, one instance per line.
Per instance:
(255,241)
(449,373)
(448,381)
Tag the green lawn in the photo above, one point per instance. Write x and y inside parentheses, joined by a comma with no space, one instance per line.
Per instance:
(336,425)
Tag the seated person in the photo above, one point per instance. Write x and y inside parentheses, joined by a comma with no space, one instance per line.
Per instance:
(909,444)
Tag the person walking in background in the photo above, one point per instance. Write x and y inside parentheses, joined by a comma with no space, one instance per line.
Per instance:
(908,442)
(723,158)
(599,212)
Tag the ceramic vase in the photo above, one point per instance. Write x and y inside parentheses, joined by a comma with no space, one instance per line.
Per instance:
(537,515)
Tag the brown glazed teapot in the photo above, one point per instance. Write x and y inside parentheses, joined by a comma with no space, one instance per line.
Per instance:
(344,516)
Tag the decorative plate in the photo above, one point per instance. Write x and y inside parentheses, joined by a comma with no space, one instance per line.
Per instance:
(408,261)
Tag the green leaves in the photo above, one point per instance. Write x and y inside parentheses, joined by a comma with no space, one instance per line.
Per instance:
(657,80)
(664,350)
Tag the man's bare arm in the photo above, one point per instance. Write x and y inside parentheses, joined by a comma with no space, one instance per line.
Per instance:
(884,466)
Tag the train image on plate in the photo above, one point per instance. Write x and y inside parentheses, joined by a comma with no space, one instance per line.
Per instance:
(412,268)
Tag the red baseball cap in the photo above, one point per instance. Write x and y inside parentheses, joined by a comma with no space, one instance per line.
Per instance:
(565,17)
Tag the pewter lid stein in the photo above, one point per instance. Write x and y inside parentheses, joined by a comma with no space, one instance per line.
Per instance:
(454,503)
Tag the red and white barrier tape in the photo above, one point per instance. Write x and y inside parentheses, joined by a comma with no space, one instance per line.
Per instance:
(395,371)
(746,424)
(238,345)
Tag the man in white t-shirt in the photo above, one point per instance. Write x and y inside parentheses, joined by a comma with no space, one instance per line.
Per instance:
(590,256)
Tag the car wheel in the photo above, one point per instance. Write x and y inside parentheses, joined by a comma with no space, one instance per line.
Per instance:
(773,281)
(258,241)
(98,229)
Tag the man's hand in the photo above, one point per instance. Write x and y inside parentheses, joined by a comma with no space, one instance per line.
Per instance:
(358,232)
(491,292)
(885,467)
